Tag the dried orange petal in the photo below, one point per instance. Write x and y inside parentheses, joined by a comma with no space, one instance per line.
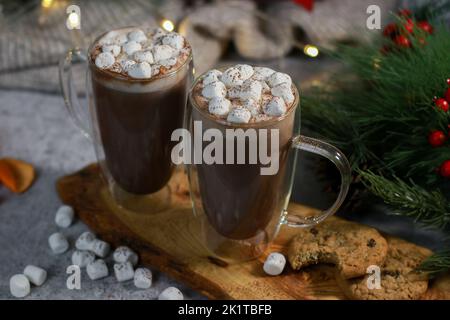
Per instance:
(16,175)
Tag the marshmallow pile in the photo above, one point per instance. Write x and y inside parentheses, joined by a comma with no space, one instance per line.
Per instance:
(140,54)
(243,94)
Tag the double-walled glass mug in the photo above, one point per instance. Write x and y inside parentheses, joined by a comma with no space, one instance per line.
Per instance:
(240,210)
(130,122)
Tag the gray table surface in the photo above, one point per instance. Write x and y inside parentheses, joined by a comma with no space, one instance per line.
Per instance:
(36,128)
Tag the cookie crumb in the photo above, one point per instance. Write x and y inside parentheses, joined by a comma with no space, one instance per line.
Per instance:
(371,243)
(314,231)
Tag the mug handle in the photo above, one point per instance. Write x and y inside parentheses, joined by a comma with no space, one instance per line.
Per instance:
(73,105)
(340,160)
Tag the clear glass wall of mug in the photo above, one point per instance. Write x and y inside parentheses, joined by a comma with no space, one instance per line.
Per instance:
(240,209)
(130,122)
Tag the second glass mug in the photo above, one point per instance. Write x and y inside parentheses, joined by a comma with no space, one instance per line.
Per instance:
(130,122)
(239,210)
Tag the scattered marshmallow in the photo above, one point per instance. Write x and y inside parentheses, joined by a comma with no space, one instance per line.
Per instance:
(123,271)
(64,216)
(171,293)
(131,47)
(215,89)
(58,243)
(19,285)
(111,48)
(174,40)
(82,258)
(239,115)
(274,264)
(219,106)
(97,269)
(141,70)
(35,275)
(277,78)
(163,52)
(137,35)
(276,107)
(262,73)
(250,90)
(85,241)
(211,76)
(100,248)
(284,91)
(231,77)
(245,71)
(104,60)
(124,254)
(143,278)
(143,56)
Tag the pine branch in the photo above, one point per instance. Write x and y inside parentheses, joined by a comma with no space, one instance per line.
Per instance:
(429,208)
(437,263)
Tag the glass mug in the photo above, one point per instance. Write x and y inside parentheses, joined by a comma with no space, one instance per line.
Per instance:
(239,210)
(130,122)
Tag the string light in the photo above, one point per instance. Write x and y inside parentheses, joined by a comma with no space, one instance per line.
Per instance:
(46,3)
(311,51)
(168,25)
(73,20)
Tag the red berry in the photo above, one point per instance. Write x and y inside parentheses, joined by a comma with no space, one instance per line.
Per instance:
(425,26)
(437,138)
(409,26)
(404,13)
(441,104)
(402,41)
(390,30)
(444,170)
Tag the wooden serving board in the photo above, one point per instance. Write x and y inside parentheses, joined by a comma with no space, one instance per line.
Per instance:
(169,242)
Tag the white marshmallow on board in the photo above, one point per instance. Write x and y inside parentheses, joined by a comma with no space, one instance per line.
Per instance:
(131,47)
(214,89)
(174,40)
(211,76)
(19,286)
(97,269)
(262,73)
(124,254)
(64,216)
(82,258)
(143,278)
(137,35)
(100,248)
(219,106)
(141,70)
(171,293)
(163,52)
(104,60)
(35,275)
(284,91)
(58,243)
(274,264)
(276,107)
(123,271)
(143,56)
(239,115)
(114,49)
(277,78)
(85,241)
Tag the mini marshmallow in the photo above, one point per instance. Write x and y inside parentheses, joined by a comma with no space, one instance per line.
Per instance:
(85,241)
(64,216)
(284,91)
(158,33)
(215,89)
(239,115)
(277,78)
(141,70)
(245,70)
(58,243)
(234,92)
(211,76)
(82,258)
(143,56)
(131,47)
(137,35)
(252,106)
(274,264)
(127,64)
(219,106)
(112,48)
(250,90)
(104,60)
(231,77)
(156,69)
(143,278)
(265,87)
(97,269)
(114,37)
(100,248)
(171,293)
(163,52)
(123,254)
(35,275)
(276,107)
(19,286)
(262,73)
(174,40)
(123,271)
(168,62)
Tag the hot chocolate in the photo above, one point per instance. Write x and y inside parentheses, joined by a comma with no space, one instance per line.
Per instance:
(139,79)
(237,199)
